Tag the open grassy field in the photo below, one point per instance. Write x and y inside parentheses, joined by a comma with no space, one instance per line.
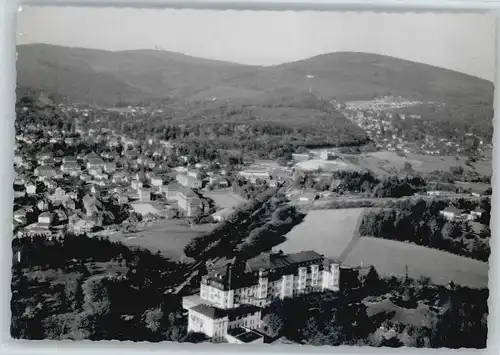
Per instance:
(315,164)
(387,162)
(167,236)
(225,198)
(391,258)
(326,231)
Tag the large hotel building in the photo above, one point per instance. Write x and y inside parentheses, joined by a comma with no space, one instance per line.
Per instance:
(231,298)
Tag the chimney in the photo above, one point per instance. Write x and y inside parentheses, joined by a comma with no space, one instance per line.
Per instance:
(229,275)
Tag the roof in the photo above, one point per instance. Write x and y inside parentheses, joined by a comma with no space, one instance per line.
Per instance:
(224,212)
(209,311)
(274,261)
(452,209)
(92,155)
(187,192)
(244,335)
(174,186)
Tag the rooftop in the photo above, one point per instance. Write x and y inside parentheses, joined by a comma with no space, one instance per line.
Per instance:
(244,335)
(274,261)
(452,209)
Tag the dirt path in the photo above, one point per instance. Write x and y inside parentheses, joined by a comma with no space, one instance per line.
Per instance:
(354,240)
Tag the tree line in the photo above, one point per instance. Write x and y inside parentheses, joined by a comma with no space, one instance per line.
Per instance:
(344,318)
(420,222)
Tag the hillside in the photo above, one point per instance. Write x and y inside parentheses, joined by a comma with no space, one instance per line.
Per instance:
(105,77)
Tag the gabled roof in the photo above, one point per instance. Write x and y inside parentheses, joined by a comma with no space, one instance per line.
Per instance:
(452,209)
(274,261)
(210,311)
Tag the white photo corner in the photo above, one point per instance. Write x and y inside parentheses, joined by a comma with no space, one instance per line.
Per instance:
(257,177)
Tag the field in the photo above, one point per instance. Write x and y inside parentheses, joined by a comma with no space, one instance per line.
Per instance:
(391,258)
(315,164)
(386,162)
(167,236)
(326,231)
(146,208)
(334,233)
(225,198)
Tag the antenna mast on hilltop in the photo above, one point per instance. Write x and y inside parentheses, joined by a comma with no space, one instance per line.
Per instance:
(310,77)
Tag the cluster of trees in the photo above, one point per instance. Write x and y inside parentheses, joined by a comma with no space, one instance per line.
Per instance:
(421,223)
(343,319)
(458,173)
(246,189)
(364,182)
(262,130)
(90,288)
(256,227)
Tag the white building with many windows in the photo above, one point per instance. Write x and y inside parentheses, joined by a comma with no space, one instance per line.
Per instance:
(243,289)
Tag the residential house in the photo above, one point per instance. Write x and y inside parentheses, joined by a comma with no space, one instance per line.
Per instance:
(451,213)
(300,157)
(255,175)
(45,172)
(20,216)
(119,178)
(110,167)
(43,205)
(223,214)
(188,181)
(156,181)
(71,168)
(328,155)
(91,205)
(171,190)
(45,219)
(82,225)
(477,213)
(121,198)
(144,194)
(19,191)
(59,195)
(50,184)
(69,203)
(189,202)
(136,184)
(95,163)
(60,216)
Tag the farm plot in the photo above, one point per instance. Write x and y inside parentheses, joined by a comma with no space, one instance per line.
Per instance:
(387,162)
(315,164)
(169,237)
(395,258)
(225,198)
(329,232)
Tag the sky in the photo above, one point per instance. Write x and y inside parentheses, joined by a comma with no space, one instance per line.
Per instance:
(461,42)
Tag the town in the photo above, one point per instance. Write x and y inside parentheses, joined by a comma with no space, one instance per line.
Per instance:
(100,183)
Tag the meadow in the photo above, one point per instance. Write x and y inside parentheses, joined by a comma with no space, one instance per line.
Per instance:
(396,258)
(224,198)
(167,236)
(386,162)
(329,232)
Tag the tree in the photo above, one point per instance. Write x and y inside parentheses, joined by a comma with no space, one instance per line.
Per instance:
(152,319)
(408,168)
(274,323)
(372,281)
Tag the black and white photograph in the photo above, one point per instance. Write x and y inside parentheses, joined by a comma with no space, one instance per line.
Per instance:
(253,177)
